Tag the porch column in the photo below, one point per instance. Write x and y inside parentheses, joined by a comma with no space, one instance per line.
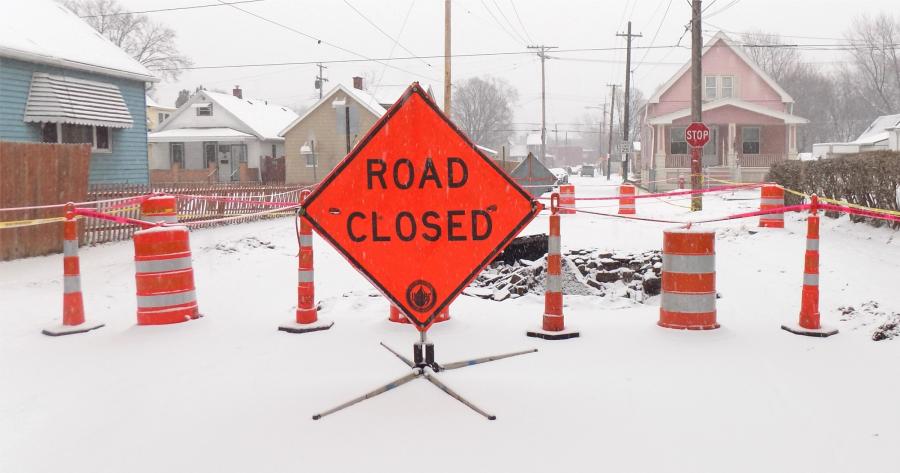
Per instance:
(792,141)
(732,155)
(659,154)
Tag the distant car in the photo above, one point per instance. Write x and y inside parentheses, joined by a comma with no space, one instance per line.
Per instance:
(562,177)
(587,170)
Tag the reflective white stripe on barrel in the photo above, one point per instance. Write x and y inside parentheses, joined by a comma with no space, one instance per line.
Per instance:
(810,279)
(694,264)
(306,240)
(812,244)
(776,216)
(70,247)
(554,283)
(158,266)
(304,275)
(71,284)
(688,303)
(165,300)
(553,245)
(778,202)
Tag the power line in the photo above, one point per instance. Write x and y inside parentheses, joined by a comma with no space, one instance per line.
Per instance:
(653,41)
(221,4)
(524,30)
(319,41)
(396,41)
(514,38)
(511,27)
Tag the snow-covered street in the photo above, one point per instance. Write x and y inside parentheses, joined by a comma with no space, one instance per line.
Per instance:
(230,393)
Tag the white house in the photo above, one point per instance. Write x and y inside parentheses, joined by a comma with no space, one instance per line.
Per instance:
(220,137)
(882,134)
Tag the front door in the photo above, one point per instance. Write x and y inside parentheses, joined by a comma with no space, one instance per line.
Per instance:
(711,149)
(225,163)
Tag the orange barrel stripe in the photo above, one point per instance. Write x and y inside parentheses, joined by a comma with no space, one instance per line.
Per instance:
(164,276)
(73,302)
(306,288)
(809,305)
(553,302)
(396,316)
(688,299)
(567,198)
(160,209)
(626,203)
(771,197)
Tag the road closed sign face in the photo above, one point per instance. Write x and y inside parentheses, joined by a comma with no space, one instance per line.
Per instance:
(417,208)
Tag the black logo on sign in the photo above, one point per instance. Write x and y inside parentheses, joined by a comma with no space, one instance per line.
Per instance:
(420,295)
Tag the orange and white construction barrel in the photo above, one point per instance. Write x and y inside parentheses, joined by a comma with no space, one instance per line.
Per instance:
(160,208)
(553,325)
(73,304)
(810,323)
(164,276)
(307,313)
(771,197)
(626,199)
(567,198)
(688,299)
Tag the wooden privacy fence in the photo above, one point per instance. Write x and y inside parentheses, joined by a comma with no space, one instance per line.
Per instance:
(190,209)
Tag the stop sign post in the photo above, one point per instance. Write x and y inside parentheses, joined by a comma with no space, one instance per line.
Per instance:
(419,210)
(696,135)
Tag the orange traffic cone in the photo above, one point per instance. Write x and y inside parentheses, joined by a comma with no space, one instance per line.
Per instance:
(73,304)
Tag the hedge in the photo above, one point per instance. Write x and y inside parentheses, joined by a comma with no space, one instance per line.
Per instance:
(871,179)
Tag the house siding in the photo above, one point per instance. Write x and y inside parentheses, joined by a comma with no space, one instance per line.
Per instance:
(128,161)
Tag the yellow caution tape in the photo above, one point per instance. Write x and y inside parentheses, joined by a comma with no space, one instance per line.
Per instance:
(28,223)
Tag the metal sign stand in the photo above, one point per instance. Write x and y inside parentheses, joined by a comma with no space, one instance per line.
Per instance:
(424,366)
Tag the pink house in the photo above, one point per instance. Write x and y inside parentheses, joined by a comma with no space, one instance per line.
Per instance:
(750,117)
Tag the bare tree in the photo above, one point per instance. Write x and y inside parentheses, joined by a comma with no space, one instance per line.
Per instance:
(874,55)
(482,107)
(150,43)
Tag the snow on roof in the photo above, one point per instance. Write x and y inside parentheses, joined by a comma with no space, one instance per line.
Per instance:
(46,32)
(155,104)
(878,130)
(734,102)
(362,97)
(197,134)
(265,119)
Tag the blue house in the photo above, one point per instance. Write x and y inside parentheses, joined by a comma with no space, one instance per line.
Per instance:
(62,82)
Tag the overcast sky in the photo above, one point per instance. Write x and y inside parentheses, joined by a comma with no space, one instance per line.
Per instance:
(226,36)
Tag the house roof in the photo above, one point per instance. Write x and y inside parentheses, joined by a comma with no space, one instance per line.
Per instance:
(749,106)
(155,104)
(198,134)
(720,36)
(46,32)
(264,119)
(370,102)
(879,130)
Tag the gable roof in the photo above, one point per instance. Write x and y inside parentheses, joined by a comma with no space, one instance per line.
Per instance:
(739,51)
(46,32)
(879,130)
(264,119)
(155,104)
(368,101)
(749,106)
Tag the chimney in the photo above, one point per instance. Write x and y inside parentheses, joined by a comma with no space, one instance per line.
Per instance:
(237,92)
(357,83)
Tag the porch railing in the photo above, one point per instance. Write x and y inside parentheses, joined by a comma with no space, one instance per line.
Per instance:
(760,160)
(678,161)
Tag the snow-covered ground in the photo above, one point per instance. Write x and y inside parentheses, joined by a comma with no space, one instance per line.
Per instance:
(230,393)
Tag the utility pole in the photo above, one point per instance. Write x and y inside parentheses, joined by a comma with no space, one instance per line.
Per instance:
(627,104)
(612,109)
(542,53)
(447,91)
(320,79)
(696,100)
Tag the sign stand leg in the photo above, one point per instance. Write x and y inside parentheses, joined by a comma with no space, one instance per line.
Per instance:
(424,365)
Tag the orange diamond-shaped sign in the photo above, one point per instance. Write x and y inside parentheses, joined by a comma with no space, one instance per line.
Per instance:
(418,208)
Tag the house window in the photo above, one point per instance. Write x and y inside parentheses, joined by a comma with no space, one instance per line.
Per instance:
(97,136)
(750,140)
(677,144)
(273,152)
(711,87)
(209,153)
(205,111)
(727,87)
(176,154)
(239,152)
(161,117)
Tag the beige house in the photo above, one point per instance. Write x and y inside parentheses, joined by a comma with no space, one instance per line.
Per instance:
(157,113)
(316,141)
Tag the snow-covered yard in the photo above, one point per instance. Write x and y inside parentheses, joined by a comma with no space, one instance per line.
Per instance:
(230,393)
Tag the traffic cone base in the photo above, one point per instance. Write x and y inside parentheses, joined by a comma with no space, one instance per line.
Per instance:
(554,335)
(822,332)
(59,330)
(294,327)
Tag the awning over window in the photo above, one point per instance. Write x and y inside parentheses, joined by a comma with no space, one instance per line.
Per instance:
(60,99)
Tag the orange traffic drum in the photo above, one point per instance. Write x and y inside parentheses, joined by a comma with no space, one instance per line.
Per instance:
(164,276)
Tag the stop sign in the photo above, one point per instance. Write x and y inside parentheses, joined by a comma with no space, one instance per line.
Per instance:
(696,134)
